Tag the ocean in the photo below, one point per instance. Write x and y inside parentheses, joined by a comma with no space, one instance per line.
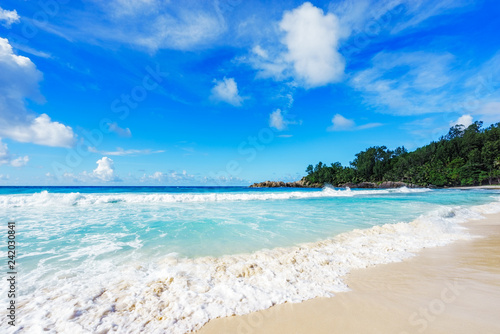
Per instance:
(168,259)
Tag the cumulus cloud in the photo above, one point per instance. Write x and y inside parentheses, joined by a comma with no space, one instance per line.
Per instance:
(312,39)
(305,50)
(276,120)
(226,90)
(279,119)
(309,51)
(464,120)
(7,159)
(42,131)
(8,17)
(340,123)
(158,176)
(19,162)
(19,81)
(105,170)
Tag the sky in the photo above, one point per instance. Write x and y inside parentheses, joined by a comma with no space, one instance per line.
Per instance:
(231,92)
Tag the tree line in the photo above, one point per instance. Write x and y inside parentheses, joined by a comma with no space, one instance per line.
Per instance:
(464,157)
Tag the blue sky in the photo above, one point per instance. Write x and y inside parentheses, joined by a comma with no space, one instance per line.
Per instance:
(230,92)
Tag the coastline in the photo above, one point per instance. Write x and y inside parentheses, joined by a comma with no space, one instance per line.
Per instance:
(453,288)
(493,186)
(362,185)
(179,294)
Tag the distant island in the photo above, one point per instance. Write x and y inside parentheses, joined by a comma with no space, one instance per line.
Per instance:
(464,157)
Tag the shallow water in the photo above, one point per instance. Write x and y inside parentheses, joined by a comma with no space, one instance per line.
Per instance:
(169,258)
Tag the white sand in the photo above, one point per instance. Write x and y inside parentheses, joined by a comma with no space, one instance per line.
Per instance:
(450,289)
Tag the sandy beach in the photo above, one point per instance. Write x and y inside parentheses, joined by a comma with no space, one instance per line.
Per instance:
(450,289)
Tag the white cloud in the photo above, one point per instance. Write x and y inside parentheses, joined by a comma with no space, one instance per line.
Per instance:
(481,96)
(312,39)
(340,123)
(464,120)
(113,127)
(145,24)
(158,176)
(489,112)
(413,83)
(354,15)
(31,51)
(172,177)
(8,17)
(303,48)
(105,170)
(406,83)
(121,152)
(368,16)
(418,11)
(4,177)
(19,81)
(19,162)
(260,51)
(4,153)
(226,90)
(276,120)
(368,126)
(42,131)
(7,159)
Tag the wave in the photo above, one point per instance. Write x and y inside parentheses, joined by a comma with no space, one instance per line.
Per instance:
(45,198)
(179,295)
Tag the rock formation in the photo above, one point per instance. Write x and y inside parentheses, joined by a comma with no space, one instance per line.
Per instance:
(277,184)
(305,184)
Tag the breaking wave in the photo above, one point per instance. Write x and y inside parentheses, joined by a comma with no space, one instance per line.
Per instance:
(45,198)
(179,295)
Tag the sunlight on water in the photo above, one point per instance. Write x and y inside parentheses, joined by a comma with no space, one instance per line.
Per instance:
(96,240)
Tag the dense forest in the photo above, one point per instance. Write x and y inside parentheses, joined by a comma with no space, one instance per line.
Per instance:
(464,157)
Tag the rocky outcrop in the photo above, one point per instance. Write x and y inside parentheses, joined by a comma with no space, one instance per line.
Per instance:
(305,184)
(278,184)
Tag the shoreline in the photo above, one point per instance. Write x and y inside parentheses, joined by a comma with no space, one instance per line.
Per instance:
(452,288)
(362,185)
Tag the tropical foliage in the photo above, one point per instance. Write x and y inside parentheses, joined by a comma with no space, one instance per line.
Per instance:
(465,156)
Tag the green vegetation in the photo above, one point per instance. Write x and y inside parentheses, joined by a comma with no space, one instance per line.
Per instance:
(464,157)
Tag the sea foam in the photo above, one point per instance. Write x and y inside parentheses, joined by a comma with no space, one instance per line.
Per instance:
(46,198)
(178,295)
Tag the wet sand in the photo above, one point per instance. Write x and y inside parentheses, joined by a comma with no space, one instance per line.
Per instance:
(450,289)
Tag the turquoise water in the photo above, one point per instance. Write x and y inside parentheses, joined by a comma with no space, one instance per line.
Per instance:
(67,219)
(68,234)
